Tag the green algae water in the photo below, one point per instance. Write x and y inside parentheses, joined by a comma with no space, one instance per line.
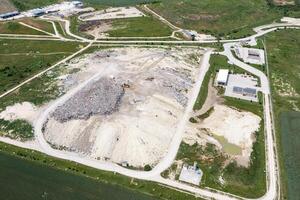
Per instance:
(26,180)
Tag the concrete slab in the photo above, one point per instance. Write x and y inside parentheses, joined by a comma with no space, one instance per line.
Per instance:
(190,174)
(243,82)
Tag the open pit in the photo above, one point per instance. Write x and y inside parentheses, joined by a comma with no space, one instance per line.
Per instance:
(129,113)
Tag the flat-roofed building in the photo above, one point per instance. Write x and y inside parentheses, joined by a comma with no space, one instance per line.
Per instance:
(222,77)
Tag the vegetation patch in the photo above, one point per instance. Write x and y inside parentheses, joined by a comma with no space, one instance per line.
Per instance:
(16,28)
(139,27)
(22,5)
(234,18)
(86,181)
(284,55)
(20,60)
(40,24)
(17,129)
(290,139)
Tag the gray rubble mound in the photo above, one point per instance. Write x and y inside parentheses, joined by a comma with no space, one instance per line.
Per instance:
(102,97)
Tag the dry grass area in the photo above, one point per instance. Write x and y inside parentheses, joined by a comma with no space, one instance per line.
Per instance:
(6,6)
(284,2)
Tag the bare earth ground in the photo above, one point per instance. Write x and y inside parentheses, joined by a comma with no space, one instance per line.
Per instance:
(231,130)
(6,6)
(136,129)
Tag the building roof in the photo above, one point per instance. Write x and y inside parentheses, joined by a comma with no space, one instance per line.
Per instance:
(247,91)
(9,14)
(222,76)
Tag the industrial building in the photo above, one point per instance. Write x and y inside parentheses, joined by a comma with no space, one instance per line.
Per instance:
(242,86)
(9,15)
(191,174)
(222,77)
(38,12)
(250,55)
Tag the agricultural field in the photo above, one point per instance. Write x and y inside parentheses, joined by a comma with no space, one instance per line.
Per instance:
(284,55)
(33,56)
(235,18)
(290,138)
(33,167)
(6,6)
(41,181)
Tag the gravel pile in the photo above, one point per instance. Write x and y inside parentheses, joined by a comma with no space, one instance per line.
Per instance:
(102,97)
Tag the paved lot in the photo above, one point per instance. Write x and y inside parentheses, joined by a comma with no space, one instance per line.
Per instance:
(241,81)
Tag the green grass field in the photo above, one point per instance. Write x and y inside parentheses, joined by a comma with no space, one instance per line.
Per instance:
(20,60)
(22,5)
(117,2)
(222,17)
(22,179)
(40,24)
(284,55)
(290,139)
(61,179)
(139,27)
(16,28)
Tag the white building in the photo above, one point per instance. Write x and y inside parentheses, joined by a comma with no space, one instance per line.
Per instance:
(191,174)
(250,55)
(222,77)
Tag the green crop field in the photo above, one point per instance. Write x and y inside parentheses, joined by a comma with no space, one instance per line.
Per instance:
(27,174)
(222,17)
(284,54)
(22,179)
(290,139)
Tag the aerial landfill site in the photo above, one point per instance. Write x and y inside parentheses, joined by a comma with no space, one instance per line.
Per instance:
(129,112)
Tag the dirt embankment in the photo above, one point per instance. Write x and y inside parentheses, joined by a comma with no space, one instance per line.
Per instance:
(133,116)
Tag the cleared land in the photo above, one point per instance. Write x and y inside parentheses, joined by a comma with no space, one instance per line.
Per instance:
(220,18)
(147,91)
(219,158)
(284,55)
(6,6)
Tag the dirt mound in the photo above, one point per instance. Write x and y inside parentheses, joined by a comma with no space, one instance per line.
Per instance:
(102,97)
